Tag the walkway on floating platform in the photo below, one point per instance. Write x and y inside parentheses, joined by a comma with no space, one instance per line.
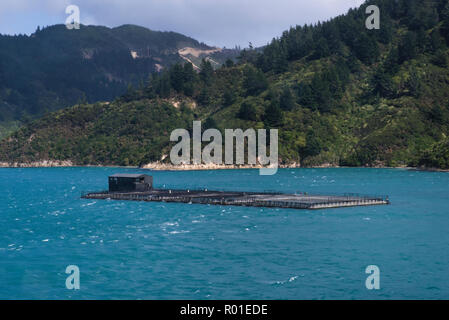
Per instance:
(250,199)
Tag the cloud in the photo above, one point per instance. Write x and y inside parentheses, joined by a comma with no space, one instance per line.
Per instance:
(217,22)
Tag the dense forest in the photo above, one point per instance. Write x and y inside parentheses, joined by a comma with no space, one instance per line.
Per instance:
(55,67)
(339,94)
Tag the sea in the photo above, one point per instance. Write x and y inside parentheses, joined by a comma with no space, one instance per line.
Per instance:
(151,250)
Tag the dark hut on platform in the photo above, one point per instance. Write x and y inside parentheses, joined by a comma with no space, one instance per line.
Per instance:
(130,183)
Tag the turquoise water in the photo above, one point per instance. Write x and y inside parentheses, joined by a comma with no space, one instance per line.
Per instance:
(138,250)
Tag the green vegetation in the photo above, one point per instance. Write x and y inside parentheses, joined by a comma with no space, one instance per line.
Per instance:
(100,133)
(340,94)
(55,67)
(437,156)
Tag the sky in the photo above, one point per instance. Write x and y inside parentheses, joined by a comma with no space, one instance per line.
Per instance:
(224,23)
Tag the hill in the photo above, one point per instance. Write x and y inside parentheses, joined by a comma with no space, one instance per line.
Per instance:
(55,67)
(339,93)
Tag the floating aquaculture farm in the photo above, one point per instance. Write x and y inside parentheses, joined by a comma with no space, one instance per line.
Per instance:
(139,187)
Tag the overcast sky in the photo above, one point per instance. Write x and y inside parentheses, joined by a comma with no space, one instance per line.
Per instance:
(215,22)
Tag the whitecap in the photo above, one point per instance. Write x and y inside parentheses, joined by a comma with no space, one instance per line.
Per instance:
(178,232)
(170,224)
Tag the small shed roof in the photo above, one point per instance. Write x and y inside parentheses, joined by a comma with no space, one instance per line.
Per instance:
(128,175)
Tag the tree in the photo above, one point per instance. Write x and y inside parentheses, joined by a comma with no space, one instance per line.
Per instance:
(177,77)
(248,55)
(204,96)
(391,64)
(163,85)
(435,41)
(206,72)
(131,94)
(229,97)
(407,47)
(273,114)
(210,123)
(440,59)
(366,49)
(382,84)
(229,63)
(254,81)
(414,83)
(190,78)
(286,100)
(313,146)
(445,25)
(247,112)
(321,49)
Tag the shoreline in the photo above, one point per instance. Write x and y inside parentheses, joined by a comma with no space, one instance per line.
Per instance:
(157,166)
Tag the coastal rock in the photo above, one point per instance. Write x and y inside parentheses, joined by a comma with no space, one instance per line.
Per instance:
(38,164)
(210,166)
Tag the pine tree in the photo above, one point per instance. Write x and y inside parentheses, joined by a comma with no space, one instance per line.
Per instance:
(210,123)
(229,97)
(206,72)
(445,25)
(229,63)
(414,83)
(366,49)
(254,81)
(247,112)
(164,85)
(382,84)
(286,100)
(189,77)
(177,77)
(407,47)
(273,114)
(440,59)
(391,64)
(204,96)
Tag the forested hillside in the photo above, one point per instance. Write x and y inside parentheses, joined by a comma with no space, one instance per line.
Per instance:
(55,67)
(339,93)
